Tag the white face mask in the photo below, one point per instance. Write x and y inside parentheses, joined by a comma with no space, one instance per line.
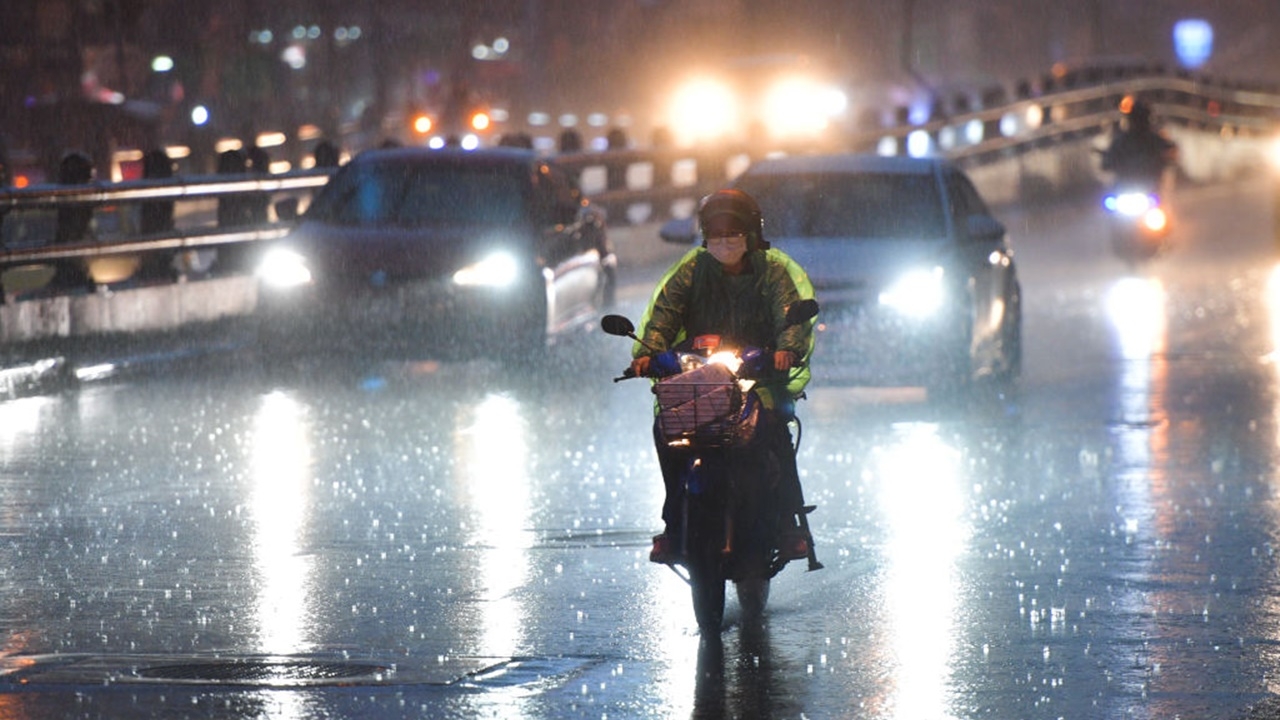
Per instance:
(728,250)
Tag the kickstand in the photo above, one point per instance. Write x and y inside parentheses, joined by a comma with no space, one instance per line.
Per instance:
(681,572)
(804,525)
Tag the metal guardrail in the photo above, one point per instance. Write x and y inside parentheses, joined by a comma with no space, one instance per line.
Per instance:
(52,196)
(970,137)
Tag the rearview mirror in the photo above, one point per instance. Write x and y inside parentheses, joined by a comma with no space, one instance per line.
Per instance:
(617,325)
(984,228)
(287,209)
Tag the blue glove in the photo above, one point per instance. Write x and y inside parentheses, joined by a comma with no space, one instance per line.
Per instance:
(664,364)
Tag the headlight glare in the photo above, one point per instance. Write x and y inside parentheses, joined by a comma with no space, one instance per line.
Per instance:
(498,270)
(918,293)
(1155,220)
(283,268)
(1132,204)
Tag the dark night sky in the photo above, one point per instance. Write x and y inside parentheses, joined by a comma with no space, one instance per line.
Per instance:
(610,55)
(622,52)
(972,42)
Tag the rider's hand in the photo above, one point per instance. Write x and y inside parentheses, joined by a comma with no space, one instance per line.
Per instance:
(782,360)
(640,366)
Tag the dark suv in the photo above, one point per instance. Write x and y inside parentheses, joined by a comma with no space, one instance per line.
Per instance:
(415,249)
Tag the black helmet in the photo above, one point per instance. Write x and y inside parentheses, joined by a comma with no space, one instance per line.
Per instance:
(738,211)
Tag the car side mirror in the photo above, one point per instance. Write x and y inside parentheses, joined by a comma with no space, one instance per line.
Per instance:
(287,209)
(680,231)
(984,228)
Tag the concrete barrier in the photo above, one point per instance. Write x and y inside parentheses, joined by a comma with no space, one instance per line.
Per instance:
(158,308)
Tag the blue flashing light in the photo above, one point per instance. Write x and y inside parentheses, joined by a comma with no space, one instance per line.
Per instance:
(1193,41)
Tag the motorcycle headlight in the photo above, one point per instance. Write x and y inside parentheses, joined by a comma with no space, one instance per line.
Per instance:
(283,268)
(918,293)
(1130,204)
(498,270)
(727,358)
(1155,220)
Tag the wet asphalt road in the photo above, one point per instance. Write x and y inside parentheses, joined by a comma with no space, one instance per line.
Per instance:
(224,537)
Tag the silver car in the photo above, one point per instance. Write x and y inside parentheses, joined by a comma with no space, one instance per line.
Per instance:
(915,276)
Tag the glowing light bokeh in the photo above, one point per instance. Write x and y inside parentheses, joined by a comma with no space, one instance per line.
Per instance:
(1193,41)
(499,487)
(281,467)
(920,495)
(703,109)
(919,144)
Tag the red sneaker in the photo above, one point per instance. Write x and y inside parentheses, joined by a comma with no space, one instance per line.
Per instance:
(665,550)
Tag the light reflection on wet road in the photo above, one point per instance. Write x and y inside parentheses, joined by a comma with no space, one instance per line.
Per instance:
(469,541)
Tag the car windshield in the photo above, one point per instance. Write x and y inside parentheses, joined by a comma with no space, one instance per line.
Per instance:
(406,195)
(871,205)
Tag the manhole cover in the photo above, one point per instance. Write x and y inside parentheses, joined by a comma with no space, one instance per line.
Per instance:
(264,672)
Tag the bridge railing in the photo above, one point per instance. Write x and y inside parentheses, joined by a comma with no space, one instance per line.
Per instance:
(633,185)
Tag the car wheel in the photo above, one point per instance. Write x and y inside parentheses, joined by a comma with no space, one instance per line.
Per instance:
(1011,339)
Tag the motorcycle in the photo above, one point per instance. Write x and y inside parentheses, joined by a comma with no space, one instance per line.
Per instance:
(729,523)
(1139,222)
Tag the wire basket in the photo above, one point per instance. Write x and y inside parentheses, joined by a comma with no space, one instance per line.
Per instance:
(705,404)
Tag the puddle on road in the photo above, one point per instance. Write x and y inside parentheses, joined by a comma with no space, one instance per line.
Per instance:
(281,671)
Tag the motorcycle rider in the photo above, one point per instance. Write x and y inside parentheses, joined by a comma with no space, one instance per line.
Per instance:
(1140,153)
(737,287)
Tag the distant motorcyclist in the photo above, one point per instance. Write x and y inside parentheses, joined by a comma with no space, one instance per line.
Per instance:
(734,286)
(1139,153)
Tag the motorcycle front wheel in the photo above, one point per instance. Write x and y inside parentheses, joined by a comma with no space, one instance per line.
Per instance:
(706,579)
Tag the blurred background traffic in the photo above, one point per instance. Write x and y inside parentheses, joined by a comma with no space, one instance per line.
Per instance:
(115,78)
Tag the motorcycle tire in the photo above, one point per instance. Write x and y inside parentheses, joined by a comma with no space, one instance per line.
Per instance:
(753,595)
(706,580)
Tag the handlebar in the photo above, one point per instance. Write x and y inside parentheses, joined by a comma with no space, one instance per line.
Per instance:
(630,374)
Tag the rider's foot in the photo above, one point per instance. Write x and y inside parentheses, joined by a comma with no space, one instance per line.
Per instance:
(793,545)
(665,550)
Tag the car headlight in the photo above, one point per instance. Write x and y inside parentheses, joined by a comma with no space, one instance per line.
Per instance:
(918,293)
(801,107)
(283,268)
(703,109)
(498,270)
